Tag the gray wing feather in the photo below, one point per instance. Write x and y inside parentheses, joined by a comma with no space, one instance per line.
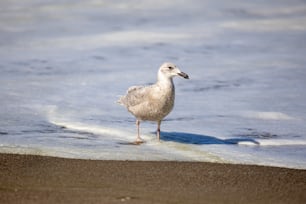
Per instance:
(135,96)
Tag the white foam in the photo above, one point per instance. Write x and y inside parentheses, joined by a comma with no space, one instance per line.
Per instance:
(108,39)
(274,142)
(278,24)
(267,115)
(150,150)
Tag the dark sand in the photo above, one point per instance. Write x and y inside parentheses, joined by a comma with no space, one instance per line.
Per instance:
(36,179)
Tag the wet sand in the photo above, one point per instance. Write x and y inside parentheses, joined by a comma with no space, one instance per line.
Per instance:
(37,179)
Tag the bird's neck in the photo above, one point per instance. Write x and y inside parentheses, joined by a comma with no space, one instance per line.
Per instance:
(164,81)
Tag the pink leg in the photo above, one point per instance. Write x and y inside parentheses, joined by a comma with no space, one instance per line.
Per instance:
(138,139)
(158,130)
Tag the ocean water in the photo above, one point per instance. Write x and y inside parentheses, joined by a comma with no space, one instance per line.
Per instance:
(63,65)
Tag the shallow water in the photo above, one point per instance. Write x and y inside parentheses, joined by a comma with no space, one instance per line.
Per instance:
(64,64)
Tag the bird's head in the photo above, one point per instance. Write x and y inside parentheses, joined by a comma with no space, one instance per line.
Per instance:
(170,70)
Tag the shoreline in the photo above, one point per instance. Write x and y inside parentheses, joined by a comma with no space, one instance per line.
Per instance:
(41,179)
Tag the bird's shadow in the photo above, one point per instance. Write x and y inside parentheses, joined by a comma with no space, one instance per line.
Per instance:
(190,138)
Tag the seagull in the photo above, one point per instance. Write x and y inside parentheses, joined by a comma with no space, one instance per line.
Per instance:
(154,102)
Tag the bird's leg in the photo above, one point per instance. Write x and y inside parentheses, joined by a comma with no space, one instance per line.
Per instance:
(158,130)
(138,139)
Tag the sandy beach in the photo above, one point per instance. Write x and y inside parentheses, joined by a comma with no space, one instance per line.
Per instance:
(38,179)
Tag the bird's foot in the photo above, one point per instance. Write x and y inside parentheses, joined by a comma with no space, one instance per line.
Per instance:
(138,141)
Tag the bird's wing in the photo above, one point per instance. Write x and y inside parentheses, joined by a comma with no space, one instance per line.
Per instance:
(136,95)
(134,88)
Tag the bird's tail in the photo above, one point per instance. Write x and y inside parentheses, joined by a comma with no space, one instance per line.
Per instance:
(120,100)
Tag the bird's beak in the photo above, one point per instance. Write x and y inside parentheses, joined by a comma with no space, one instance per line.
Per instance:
(182,74)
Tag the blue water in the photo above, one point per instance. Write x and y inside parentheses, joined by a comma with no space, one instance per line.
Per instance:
(63,66)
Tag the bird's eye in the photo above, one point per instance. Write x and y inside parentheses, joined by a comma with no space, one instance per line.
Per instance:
(170,68)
